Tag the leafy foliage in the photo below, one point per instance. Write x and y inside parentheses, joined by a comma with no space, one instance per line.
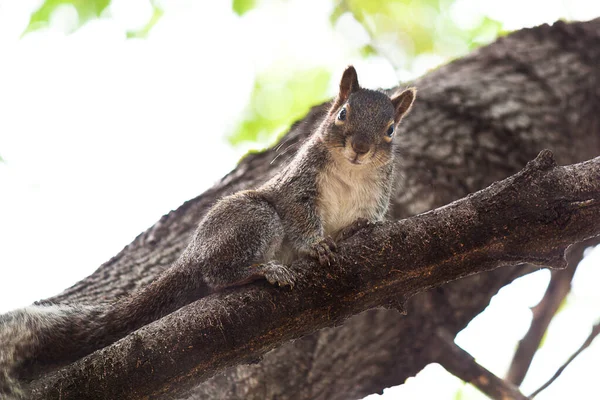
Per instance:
(460,394)
(241,7)
(143,33)
(399,30)
(275,104)
(86,10)
(414,28)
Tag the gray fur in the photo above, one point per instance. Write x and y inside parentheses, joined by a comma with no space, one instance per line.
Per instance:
(249,235)
(23,330)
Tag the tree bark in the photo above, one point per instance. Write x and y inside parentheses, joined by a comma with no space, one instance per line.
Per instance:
(531,217)
(477,120)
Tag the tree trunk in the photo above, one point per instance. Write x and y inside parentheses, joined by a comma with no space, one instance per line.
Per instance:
(476,120)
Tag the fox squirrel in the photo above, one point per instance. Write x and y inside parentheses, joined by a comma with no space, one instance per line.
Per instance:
(340,179)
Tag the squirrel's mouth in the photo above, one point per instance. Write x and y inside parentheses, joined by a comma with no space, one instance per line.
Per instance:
(356,159)
(353,157)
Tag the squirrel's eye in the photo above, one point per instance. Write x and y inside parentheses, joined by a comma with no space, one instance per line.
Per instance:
(390,131)
(342,114)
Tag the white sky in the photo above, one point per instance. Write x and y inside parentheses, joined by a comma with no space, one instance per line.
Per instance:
(102,135)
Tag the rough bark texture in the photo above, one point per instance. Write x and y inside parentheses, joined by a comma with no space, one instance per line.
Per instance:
(531,217)
(477,120)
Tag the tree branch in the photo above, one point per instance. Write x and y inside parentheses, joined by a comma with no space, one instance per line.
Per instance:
(543,312)
(462,365)
(478,120)
(585,345)
(531,217)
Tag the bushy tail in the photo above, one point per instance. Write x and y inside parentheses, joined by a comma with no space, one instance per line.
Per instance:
(25,332)
(35,338)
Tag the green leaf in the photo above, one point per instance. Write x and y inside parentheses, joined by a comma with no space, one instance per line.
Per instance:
(460,393)
(367,51)
(241,7)
(339,10)
(276,103)
(143,33)
(86,10)
(404,29)
(485,32)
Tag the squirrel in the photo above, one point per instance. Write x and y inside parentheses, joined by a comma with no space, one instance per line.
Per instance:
(339,180)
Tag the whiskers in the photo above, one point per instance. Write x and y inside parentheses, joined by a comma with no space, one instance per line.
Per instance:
(288,148)
(398,151)
(380,158)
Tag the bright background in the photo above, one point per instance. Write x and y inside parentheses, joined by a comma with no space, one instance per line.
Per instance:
(114,112)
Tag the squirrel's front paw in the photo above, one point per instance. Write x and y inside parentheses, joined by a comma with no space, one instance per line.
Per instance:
(352,229)
(324,251)
(278,274)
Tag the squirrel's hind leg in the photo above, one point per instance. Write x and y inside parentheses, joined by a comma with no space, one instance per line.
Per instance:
(237,242)
(277,274)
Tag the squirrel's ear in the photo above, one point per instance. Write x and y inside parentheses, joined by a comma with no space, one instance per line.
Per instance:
(348,84)
(402,103)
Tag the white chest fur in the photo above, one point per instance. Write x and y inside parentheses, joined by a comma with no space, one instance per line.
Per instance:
(349,193)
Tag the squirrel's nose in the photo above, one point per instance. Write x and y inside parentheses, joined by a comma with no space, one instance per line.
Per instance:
(360,147)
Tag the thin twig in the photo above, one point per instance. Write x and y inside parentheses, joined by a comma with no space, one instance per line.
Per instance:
(585,345)
(543,312)
(463,365)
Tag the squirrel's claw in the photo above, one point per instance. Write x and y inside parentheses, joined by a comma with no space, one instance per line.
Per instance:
(278,274)
(324,251)
(352,229)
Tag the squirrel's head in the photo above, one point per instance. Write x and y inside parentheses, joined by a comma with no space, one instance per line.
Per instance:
(361,123)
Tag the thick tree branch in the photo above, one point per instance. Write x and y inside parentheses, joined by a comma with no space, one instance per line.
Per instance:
(479,119)
(595,331)
(531,217)
(543,312)
(462,365)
